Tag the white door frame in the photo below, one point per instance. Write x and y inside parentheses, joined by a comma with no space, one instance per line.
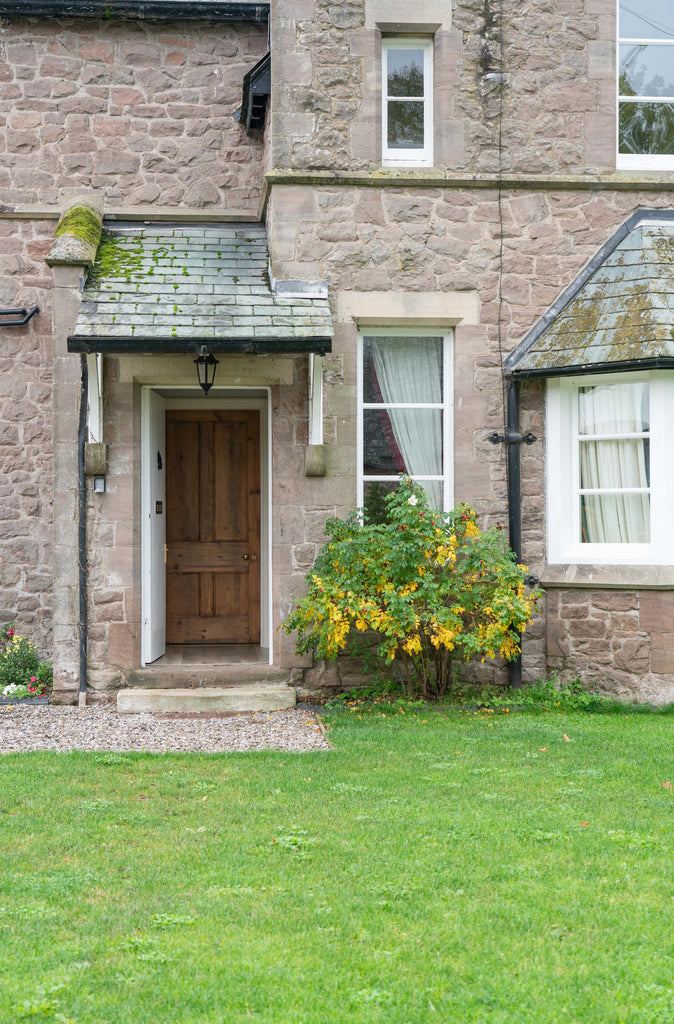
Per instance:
(153,526)
(219,401)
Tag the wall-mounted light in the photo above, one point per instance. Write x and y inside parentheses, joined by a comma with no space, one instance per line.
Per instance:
(206,364)
(99,485)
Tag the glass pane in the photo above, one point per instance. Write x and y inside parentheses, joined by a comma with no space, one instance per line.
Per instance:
(615,464)
(405,124)
(646,19)
(405,72)
(613,409)
(402,441)
(646,70)
(402,369)
(615,519)
(646,128)
(374,492)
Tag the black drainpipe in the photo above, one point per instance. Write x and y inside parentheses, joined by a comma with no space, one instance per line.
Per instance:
(82,528)
(514,505)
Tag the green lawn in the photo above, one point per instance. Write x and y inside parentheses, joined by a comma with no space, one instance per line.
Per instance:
(448,867)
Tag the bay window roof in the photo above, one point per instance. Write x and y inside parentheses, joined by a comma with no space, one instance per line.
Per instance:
(618,314)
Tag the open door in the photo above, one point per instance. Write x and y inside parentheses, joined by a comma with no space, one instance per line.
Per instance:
(153,517)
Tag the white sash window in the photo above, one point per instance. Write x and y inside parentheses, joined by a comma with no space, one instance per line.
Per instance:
(610,482)
(404,414)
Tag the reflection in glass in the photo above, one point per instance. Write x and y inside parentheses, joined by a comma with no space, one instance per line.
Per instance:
(615,518)
(646,19)
(375,491)
(646,128)
(405,72)
(405,124)
(646,70)
(402,441)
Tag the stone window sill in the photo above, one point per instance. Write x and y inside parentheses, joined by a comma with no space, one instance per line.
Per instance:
(597,577)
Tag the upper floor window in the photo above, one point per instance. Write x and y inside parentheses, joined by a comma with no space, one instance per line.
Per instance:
(646,84)
(407,115)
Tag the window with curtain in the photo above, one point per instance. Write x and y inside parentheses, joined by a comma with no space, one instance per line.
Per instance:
(614,463)
(610,479)
(404,415)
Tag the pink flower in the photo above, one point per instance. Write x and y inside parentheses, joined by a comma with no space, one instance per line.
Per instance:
(33,679)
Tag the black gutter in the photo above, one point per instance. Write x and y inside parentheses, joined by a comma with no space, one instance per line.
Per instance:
(514,507)
(82,528)
(140,10)
(169,345)
(617,366)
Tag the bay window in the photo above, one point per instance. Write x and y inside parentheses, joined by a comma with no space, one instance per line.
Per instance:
(610,479)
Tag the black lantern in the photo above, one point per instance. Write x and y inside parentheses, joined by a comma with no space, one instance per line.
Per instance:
(206,364)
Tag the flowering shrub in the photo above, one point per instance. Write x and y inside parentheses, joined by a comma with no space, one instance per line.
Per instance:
(431,586)
(22,674)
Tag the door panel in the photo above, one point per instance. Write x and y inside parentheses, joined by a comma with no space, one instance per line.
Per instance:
(213,526)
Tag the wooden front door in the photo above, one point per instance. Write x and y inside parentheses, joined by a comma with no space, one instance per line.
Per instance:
(212,526)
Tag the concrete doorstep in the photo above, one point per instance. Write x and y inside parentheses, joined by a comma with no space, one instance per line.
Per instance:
(263,697)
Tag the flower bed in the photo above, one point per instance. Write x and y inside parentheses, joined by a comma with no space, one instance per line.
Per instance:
(24,678)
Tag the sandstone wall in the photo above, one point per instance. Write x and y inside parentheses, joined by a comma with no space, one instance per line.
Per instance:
(25,433)
(558,101)
(140,111)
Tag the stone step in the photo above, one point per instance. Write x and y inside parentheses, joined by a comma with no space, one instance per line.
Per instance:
(267,697)
(175,677)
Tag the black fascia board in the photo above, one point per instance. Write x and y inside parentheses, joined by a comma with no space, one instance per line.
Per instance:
(140,10)
(130,345)
(256,91)
(619,366)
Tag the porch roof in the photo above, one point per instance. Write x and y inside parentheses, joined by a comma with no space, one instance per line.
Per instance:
(617,315)
(173,288)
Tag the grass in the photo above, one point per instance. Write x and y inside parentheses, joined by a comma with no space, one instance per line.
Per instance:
(434,866)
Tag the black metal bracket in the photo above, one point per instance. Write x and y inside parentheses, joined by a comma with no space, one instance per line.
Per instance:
(512,438)
(531,580)
(24,314)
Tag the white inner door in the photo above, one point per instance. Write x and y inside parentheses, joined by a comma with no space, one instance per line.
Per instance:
(153,518)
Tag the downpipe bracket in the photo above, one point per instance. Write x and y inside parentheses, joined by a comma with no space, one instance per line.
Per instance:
(512,437)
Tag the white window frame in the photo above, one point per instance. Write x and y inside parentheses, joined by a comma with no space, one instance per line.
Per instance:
(563,474)
(446,405)
(408,157)
(639,161)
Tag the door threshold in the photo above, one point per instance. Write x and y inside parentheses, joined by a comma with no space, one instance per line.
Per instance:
(213,654)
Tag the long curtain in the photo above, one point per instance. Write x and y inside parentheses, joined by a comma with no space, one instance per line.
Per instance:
(410,370)
(614,464)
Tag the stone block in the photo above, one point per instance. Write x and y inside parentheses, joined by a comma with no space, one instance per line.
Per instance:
(656,610)
(662,652)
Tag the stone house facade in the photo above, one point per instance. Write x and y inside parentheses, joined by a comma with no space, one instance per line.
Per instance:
(462,186)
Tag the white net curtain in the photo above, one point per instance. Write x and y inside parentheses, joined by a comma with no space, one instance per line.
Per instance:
(404,371)
(613,428)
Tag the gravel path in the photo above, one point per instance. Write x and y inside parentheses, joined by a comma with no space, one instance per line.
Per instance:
(100,727)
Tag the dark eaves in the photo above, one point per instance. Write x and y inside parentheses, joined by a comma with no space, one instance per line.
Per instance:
(139,10)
